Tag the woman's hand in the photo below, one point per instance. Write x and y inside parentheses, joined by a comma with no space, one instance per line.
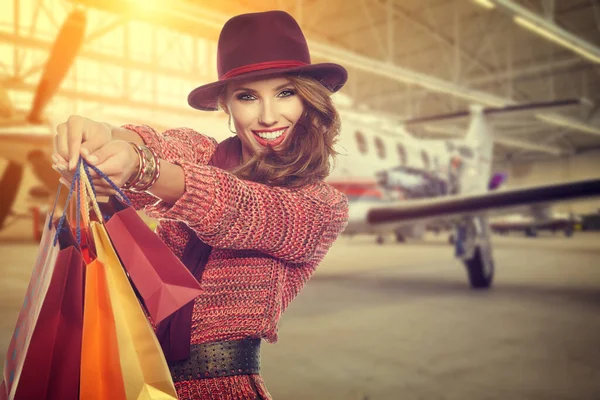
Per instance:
(79,136)
(117,159)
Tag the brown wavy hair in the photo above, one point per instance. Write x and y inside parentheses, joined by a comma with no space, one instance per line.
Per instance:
(306,158)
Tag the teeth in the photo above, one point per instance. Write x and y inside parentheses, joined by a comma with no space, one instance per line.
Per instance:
(271,135)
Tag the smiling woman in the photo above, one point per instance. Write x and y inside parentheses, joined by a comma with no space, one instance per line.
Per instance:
(250,217)
(288,127)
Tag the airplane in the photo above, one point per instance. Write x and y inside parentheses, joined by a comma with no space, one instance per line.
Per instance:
(394,181)
(397,183)
(25,137)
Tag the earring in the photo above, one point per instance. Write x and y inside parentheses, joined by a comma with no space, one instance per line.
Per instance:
(229,125)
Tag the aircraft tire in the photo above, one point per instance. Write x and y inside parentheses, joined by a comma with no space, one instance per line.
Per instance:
(569,232)
(480,277)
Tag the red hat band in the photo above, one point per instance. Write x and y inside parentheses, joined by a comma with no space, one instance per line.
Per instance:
(262,66)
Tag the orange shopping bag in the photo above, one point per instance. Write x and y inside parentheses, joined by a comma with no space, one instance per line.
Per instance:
(100,376)
(135,356)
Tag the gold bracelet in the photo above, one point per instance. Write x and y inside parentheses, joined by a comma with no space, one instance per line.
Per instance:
(150,171)
(134,178)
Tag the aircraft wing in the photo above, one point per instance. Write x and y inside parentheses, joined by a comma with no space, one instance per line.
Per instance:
(489,203)
(493,113)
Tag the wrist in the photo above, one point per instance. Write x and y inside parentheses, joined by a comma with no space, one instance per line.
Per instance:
(135,168)
(135,171)
(147,170)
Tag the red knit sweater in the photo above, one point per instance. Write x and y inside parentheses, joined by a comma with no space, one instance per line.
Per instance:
(267,242)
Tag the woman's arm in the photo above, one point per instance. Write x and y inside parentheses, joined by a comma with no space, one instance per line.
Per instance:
(175,145)
(227,212)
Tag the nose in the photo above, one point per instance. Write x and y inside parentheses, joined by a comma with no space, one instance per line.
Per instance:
(269,115)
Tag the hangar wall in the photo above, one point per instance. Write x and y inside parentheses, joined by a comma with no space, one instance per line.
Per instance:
(582,166)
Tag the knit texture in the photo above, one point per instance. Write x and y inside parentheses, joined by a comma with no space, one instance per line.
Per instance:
(267,242)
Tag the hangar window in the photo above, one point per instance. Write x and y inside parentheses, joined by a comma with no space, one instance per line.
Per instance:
(380,147)
(401,154)
(361,142)
(425,158)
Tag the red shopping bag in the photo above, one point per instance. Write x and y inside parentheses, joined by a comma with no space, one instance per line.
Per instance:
(43,358)
(162,281)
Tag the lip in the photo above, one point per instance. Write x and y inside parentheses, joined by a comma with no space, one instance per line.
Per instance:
(269,130)
(271,143)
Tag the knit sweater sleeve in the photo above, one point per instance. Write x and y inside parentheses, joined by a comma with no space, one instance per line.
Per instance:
(174,145)
(227,212)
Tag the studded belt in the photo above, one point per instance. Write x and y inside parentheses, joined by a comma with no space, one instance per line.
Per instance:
(211,360)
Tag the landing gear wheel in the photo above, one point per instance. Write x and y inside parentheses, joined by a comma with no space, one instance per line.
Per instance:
(530,232)
(569,232)
(480,269)
(380,239)
(400,238)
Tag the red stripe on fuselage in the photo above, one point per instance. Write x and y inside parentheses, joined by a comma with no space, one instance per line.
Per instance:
(358,189)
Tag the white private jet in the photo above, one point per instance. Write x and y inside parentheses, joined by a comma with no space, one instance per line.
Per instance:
(400,184)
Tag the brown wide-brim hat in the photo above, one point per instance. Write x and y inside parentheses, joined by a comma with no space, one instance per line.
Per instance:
(259,45)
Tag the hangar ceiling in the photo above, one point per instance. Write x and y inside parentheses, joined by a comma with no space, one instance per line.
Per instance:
(406,58)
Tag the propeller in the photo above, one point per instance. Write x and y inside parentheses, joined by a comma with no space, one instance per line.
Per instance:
(62,55)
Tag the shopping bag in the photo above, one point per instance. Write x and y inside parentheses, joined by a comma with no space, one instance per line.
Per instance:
(101,376)
(43,355)
(144,369)
(163,282)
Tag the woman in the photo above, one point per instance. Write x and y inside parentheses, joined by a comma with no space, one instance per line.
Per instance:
(251,217)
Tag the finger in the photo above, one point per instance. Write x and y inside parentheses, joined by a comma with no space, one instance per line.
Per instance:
(102,155)
(58,158)
(60,140)
(92,144)
(103,189)
(65,182)
(59,161)
(101,184)
(63,172)
(74,138)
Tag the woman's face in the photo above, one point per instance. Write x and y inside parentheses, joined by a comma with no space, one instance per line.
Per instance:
(264,112)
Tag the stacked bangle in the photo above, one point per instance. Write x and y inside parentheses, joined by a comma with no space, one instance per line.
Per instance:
(148,170)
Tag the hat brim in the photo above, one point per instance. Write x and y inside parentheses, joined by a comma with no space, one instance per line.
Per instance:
(332,76)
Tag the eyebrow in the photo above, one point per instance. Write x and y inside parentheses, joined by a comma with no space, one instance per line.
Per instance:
(245,89)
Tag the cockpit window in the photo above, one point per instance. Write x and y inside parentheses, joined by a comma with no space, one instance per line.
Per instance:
(361,142)
(401,154)
(380,147)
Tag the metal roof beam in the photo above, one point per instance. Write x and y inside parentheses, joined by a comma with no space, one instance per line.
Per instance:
(548,30)
(185,15)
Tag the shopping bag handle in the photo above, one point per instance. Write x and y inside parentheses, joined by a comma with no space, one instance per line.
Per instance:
(87,166)
(82,173)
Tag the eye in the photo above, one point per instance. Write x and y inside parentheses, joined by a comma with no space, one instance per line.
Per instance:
(245,97)
(286,93)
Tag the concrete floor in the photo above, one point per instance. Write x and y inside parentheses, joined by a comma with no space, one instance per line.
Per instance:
(400,322)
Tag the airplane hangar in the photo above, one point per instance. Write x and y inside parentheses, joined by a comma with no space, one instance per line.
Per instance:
(387,321)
